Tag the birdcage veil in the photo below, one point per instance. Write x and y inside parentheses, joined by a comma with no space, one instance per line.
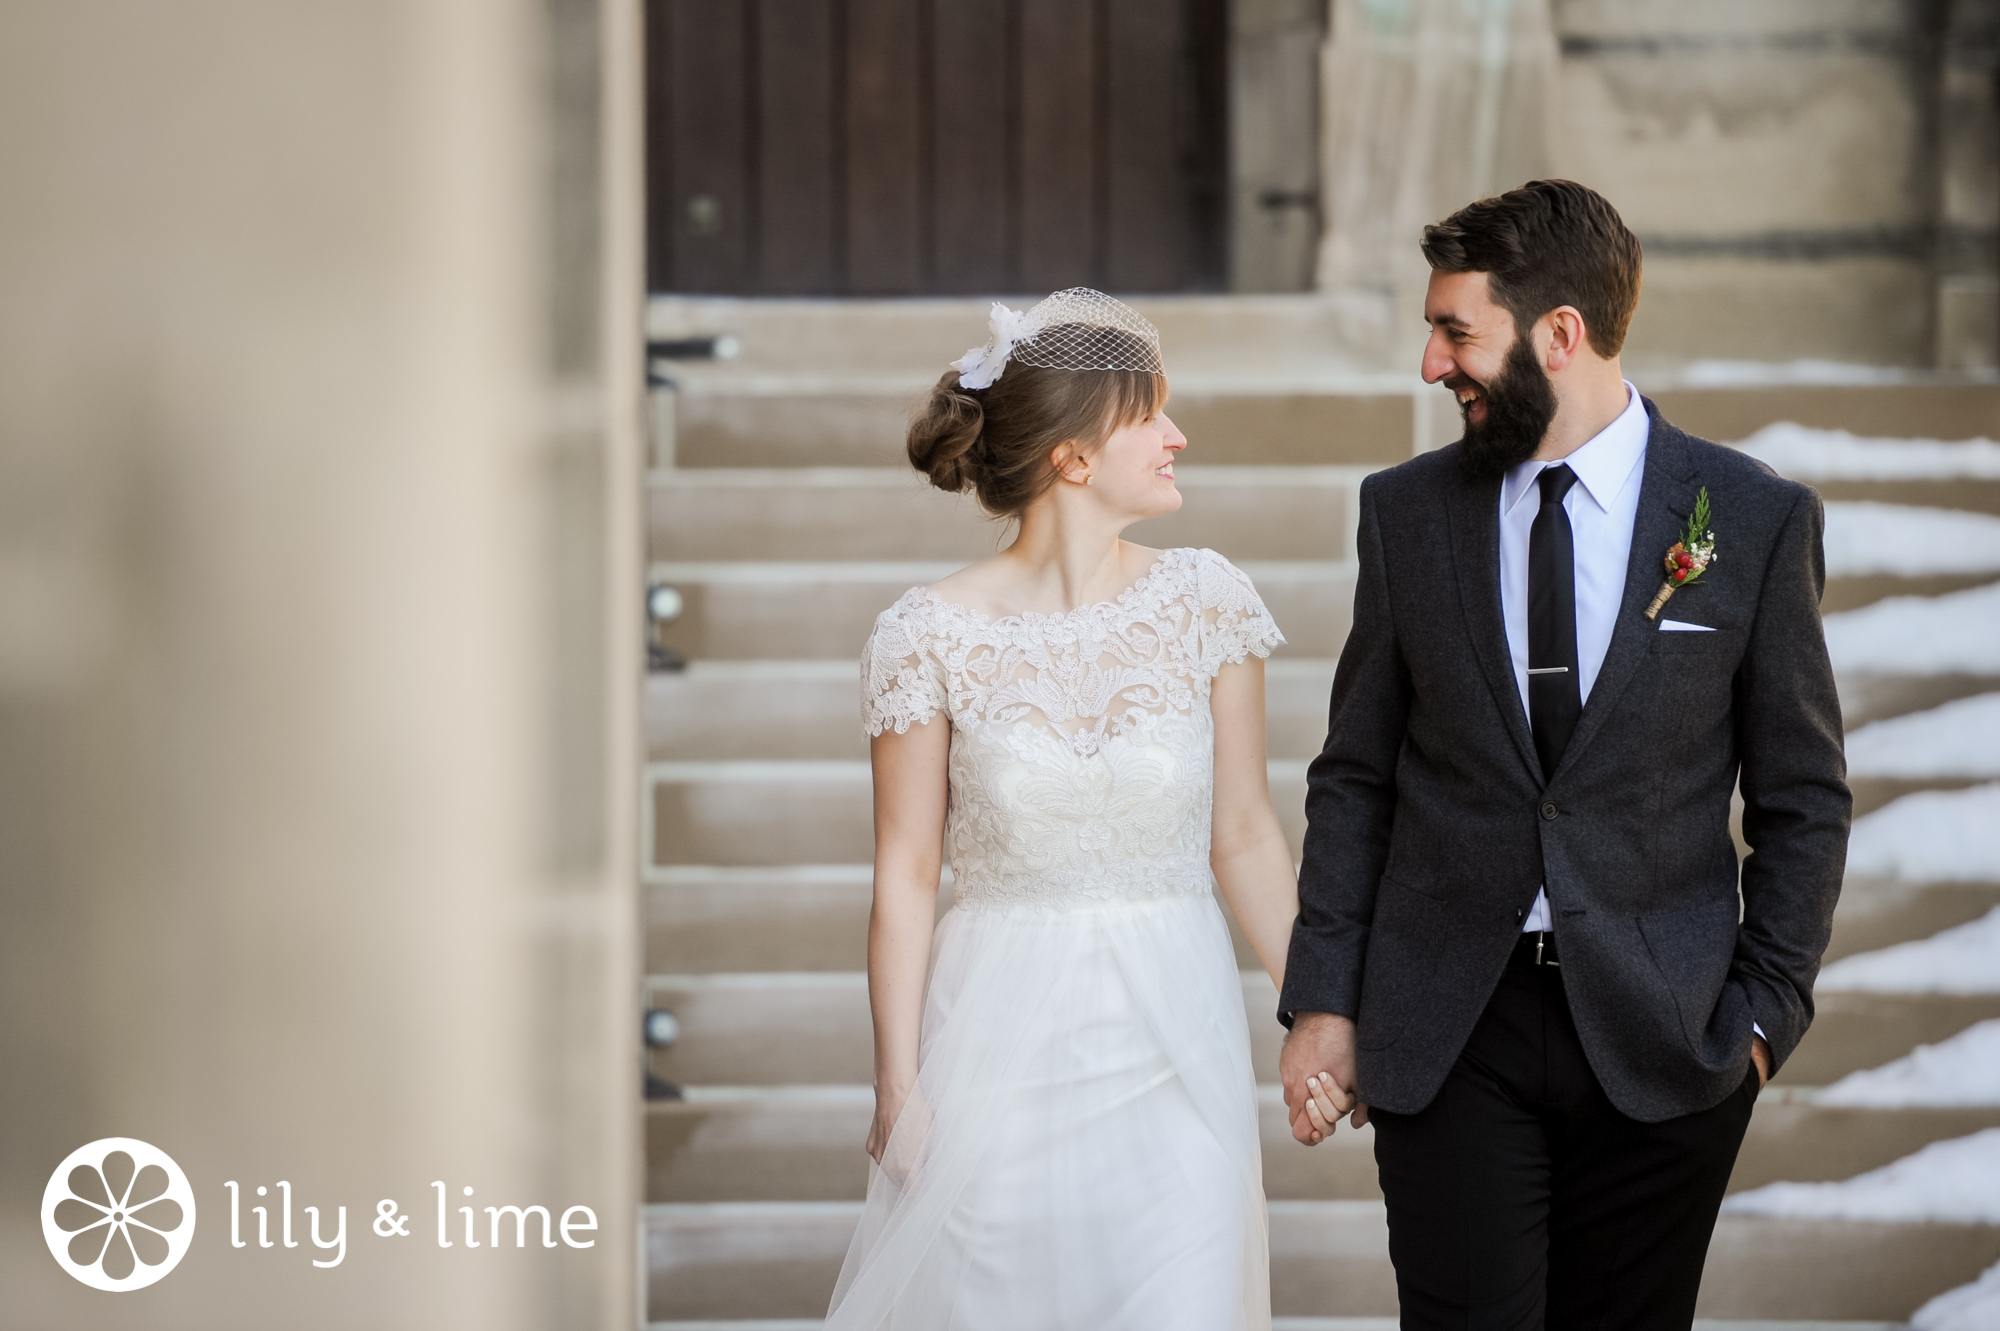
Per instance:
(1077,329)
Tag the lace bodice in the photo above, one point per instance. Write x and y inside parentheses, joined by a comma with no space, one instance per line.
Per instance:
(1082,747)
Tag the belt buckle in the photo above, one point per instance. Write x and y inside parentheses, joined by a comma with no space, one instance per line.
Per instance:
(1541,941)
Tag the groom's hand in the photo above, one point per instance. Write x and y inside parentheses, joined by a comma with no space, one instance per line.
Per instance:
(1319,1043)
(1760,1054)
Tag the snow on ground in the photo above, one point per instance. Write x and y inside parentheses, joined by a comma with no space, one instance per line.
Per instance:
(1932,836)
(1951,1182)
(1959,739)
(1964,959)
(1807,454)
(1964,1070)
(1864,538)
(1974,1307)
(1745,373)
(1958,633)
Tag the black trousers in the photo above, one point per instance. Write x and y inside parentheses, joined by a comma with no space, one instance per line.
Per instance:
(1521,1198)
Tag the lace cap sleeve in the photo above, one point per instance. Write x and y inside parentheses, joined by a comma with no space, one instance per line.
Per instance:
(1235,623)
(902,684)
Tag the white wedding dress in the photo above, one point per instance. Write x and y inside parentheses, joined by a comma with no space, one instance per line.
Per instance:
(1081,1151)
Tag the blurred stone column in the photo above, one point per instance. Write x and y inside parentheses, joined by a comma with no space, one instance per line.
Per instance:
(319,589)
(1968,184)
(1428,105)
(1274,99)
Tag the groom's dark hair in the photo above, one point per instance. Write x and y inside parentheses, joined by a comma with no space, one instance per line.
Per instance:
(1548,243)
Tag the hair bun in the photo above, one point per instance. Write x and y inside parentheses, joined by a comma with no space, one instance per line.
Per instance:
(942,436)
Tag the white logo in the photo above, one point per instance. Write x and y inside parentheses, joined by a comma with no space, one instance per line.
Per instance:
(118,1214)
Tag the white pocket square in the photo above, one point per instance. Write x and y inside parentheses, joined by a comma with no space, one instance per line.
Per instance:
(1675,626)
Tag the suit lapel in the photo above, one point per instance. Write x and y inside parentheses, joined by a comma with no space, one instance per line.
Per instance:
(1475,552)
(1666,497)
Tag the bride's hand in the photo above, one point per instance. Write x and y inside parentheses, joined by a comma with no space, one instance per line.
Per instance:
(888,1108)
(1326,1103)
(1320,1045)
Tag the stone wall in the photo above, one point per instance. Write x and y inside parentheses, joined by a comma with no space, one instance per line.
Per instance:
(1782,163)
(1812,179)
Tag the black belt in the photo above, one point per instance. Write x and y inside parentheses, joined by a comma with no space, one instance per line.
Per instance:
(1536,949)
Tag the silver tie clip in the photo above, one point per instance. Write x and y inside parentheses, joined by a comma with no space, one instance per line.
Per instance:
(1548,670)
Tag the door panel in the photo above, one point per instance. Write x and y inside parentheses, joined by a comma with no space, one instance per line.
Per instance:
(798,202)
(972,107)
(884,164)
(1058,144)
(904,147)
(706,214)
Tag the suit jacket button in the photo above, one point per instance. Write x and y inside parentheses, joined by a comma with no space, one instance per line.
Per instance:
(1550,811)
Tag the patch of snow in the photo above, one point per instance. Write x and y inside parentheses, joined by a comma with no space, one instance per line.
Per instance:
(1959,739)
(1974,1307)
(1806,454)
(1931,836)
(1908,541)
(1949,1182)
(1746,373)
(1964,1070)
(1958,633)
(1964,959)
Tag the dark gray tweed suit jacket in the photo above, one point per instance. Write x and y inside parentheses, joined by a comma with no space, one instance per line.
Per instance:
(1430,827)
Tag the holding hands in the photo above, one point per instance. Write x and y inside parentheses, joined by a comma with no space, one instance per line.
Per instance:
(1317,1067)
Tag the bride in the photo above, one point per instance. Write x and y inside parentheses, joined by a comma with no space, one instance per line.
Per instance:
(1066,1121)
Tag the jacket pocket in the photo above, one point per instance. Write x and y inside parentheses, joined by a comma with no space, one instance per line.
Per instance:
(1692,948)
(1716,642)
(1404,944)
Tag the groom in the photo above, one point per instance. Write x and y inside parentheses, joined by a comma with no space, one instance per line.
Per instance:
(1524,946)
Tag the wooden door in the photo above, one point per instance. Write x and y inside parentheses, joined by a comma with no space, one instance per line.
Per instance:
(910,147)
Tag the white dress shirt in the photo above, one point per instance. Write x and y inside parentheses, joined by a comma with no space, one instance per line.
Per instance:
(1602,506)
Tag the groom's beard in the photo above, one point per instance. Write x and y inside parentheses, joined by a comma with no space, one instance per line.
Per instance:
(1520,403)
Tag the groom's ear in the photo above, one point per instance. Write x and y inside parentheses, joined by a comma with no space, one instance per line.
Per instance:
(1565,335)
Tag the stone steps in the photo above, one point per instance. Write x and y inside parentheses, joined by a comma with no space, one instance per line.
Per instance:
(1866,697)
(792,812)
(847,429)
(776,851)
(1851,1032)
(735,710)
(780,1259)
(1974,496)
(1876,913)
(792,520)
(704,919)
(811,709)
(1297,1324)
(819,611)
(788,1027)
(814,917)
(774,1143)
(1852,593)
(780,1028)
(804,1143)
(861,514)
(1212,342)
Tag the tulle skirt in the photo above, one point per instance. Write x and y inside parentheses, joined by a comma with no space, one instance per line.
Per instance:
(1081,1151)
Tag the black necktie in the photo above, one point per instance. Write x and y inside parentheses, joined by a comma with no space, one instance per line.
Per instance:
(1555,693)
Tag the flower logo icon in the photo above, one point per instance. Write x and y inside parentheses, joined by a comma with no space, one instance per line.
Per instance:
(118,1214)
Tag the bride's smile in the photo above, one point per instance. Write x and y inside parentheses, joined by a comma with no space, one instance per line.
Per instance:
(1133,469)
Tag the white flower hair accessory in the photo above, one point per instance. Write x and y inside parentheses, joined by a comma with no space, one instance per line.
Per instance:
(1076,329)
(981,366)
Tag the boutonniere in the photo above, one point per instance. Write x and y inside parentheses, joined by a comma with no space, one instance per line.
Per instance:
(1689,557)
